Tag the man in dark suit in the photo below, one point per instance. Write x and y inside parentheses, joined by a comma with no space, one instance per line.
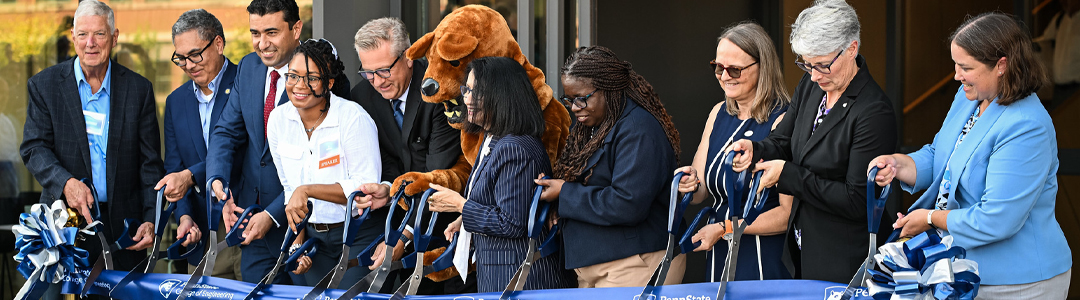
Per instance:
(259,87)
(119,118)
(191,111)
(413,134)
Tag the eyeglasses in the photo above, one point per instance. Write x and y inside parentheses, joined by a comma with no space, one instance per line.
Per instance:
(465,90)
(195,58)
(292,79)
(384,72)
(580,102)
(734,72)
(824,69)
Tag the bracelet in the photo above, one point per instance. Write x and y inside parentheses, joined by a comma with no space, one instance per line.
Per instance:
(293,248)
(929,218)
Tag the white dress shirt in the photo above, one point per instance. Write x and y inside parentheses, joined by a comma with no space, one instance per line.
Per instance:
(347,133)
(280,82)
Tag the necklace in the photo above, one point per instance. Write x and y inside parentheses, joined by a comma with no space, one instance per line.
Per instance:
(317,122)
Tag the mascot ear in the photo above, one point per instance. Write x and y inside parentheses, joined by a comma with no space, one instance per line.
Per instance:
(420,47)
(455,46)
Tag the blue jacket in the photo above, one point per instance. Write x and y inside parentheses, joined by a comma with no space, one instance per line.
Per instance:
(186,150)
(622,209)
(240,131)
(1005,187)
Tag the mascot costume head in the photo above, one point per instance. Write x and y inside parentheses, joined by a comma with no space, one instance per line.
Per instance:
(468,33)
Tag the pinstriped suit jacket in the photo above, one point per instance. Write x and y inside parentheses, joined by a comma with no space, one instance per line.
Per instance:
(497,211)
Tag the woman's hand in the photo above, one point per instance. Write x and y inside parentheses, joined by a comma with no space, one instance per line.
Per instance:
(690,181)
(297,209)
(886,165)
(708,236)
(303,264)
(744,160)
(552,187)
(445,200)
(912,224)
(772,169)
(452,229)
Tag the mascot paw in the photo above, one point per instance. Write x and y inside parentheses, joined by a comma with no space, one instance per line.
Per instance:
(445,274)
(418,183)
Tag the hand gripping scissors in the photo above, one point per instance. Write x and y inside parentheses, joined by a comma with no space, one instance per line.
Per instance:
(373,282)
(161,220)
(352,228)
(105,261)
(538,214)
(422,237)
(875,206)
(286,259)
(676,209)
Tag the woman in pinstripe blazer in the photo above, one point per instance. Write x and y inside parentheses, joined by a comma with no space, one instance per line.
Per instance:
(501,105)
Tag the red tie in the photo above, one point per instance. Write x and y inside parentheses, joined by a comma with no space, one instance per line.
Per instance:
(270,97)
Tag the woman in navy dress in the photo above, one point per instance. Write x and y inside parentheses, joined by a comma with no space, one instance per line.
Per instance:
(502,106)
(748,70)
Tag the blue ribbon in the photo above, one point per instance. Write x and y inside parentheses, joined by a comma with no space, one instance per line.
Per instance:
(47,249)
(926,267)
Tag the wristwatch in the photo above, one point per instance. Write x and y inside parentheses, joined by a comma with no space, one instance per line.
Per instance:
(930,219)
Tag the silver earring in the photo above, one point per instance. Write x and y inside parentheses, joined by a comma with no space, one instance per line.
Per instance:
(999,73)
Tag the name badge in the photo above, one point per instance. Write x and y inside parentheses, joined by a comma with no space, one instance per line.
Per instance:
(95,122)
(329,154)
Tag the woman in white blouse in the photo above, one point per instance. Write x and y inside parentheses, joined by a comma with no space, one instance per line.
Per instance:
(324,147)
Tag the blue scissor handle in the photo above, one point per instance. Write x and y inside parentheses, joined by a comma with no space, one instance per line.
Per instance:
(733,183)
(174,250)
(446,260)
(352,224)
(125,240)
(364,258)
(756,202)
(676,208)
(162,216)
(308,248)
(875,203)
(421,241)
(536,222)
(213,208)
(686,243)
(236,233)
(551,244)
(291,235)
(390,234)
(93,193)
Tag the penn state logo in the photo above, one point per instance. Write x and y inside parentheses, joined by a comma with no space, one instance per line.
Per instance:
(834,292)
(170,286)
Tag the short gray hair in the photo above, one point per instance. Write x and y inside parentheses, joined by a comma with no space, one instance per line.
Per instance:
(95,8)
(207,25)
(375,32)
(826,26)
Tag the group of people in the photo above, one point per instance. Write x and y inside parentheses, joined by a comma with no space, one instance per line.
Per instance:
(610,205)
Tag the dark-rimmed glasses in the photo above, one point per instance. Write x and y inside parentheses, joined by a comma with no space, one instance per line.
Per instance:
(384,72)
(195,58)
(823,69)
(292,79)
(734,72)
(580,102)
(465,90)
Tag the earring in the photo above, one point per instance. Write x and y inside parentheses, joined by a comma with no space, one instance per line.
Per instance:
(999,73)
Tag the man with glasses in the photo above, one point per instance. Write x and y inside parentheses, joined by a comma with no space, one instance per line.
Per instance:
(116,147)
(414,135)
(191,111)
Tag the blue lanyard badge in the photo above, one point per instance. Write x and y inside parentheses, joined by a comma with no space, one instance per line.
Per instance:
(95,122)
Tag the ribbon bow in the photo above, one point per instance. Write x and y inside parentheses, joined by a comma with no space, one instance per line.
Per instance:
(924,267)
(47,249)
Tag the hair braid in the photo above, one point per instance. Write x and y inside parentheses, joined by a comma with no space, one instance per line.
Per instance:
(616,80)
(321,52)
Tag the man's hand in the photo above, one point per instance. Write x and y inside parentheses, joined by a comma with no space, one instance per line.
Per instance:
(176,185)
(552,187)
(445,200)
(228,215)
(259,224)
(77,196)
(380,252)
(377,194)
(744,160)
(144,237)
(708,236)
(187,228)
(297,208)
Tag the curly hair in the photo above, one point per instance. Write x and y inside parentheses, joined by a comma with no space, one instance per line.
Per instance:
(617,81)
(324,55)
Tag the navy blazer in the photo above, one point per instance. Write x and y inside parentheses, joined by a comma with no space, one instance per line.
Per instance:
(240,131)
(622,209)
(498,211)
(185,148)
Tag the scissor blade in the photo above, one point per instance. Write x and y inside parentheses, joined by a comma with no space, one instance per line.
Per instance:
(381,273)
(331,279)
(94,273)
(205,266)
(138,270)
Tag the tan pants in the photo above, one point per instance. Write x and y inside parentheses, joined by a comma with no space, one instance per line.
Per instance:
(632,271)
(228,260)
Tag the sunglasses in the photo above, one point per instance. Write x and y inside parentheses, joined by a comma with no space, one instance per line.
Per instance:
(823,69)
(734,72)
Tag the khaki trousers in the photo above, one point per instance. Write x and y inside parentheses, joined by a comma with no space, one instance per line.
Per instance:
(635,270)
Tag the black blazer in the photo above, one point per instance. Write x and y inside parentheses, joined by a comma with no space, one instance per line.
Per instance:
(622,209)
(826,173)
(55,147)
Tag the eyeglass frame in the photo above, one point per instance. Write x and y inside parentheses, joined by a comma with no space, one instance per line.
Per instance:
(734,72)
(465,89)
(823,69)
(583,100)
(181,60)
(308,79)
(377,72)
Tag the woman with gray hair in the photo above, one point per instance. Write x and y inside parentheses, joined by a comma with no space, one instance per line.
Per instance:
(839,119)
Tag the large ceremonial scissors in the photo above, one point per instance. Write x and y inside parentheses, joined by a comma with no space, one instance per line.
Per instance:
(352,228)
(286,259)
(161,220)
(105,261)
(421,238)
(373,282)
(875,207)
(676,209)
(538,214)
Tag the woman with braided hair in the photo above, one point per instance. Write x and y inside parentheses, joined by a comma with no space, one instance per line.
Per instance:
(324,147)
(612,204)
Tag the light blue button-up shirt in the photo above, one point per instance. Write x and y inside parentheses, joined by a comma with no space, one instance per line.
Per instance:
(96,103)
(206,102)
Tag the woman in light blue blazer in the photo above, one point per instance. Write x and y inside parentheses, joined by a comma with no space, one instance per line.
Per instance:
(991,173)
